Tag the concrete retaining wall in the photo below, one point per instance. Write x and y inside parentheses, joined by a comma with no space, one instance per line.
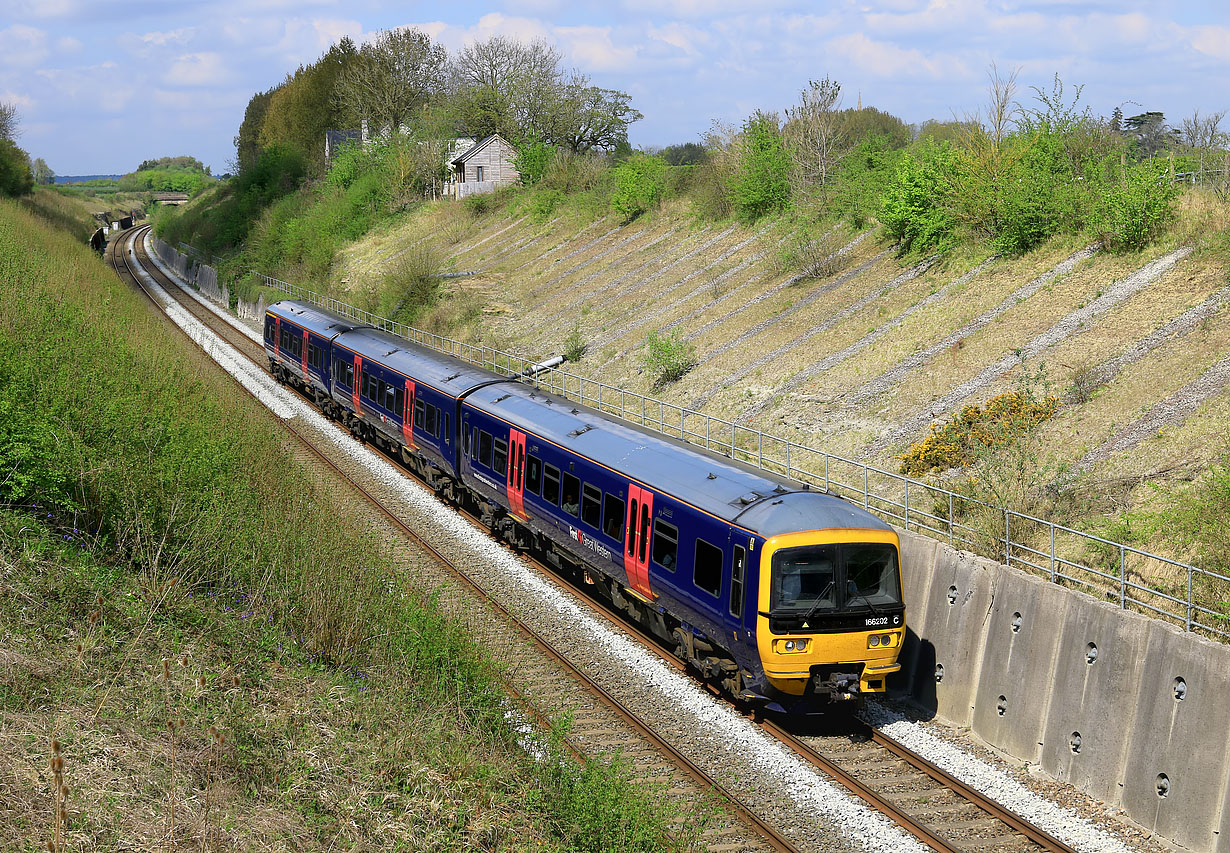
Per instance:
(1113,702)
(203,276)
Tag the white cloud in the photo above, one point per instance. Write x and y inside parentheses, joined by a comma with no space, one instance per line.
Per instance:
(45,8)
(8,96)
(883,59)
(68,44)
(1212,41)
(592,49)
(197,69)
(23,45)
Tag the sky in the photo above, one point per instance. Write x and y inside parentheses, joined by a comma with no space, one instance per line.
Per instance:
(99,87)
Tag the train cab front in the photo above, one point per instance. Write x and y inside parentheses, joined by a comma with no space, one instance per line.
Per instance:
(831,619)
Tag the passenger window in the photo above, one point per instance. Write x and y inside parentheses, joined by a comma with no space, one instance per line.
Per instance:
(613,517)
(644,530)
(501,458)
(707,570)
(399,403)
(550,485)
(570,502)
(364,380)
(484,448)
(339,370)
(465,442)
(591,506)
(736,582)
(431,420)
(533,473)
(665,545)
(446,430)
(418,413)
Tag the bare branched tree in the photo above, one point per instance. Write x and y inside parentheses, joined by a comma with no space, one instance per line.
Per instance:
(813,132)
(392,79)
(1204,132)
(505,86)
(8,121)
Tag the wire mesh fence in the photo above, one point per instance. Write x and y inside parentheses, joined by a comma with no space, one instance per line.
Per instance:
(1193,598)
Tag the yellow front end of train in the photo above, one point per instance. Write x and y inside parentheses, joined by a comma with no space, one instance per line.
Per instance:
(831,618)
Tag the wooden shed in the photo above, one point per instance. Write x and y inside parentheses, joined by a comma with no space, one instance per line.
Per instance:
(486,165)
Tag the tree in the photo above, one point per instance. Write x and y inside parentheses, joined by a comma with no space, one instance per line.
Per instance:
(505,86)
(392,79)
(588,117)
(42,173)
(247,141)
(1150,132)
(302,108)
(8,121)
(15,175)
(760,184)
(1204,132)
(686,154)
(813,132)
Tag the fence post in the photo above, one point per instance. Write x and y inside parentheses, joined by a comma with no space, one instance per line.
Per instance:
(866,489)
(1189,598)
(1052,552)
(1007,539)
(952,521)
(906,501)
(1122,578)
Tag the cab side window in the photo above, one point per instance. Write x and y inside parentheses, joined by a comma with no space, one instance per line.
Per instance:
(533,473)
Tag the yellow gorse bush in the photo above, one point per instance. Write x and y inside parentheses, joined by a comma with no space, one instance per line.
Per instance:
(1000,421)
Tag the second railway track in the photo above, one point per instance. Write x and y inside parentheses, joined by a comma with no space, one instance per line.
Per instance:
(933,806)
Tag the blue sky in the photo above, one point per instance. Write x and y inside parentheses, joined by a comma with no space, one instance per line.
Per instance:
(100,87)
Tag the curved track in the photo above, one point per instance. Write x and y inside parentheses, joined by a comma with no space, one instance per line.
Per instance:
(929,803)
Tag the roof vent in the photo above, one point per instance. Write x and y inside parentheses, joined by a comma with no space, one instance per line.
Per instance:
(779,489)
(501,397)
(581,431)
(576,411)
(451,378)
(711,476)
(749,498)
(390,352)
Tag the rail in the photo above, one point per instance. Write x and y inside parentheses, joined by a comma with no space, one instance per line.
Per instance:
(1102,567)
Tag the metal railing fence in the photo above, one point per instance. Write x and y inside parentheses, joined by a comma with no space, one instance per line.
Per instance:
(1111,570)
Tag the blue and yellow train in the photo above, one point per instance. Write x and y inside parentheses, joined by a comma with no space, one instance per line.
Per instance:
(783,596)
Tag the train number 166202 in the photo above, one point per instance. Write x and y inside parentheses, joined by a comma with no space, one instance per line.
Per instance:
(874,621)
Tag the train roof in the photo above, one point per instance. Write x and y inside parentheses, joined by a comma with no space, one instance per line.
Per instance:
(322,322)
(733,491)
(442,372)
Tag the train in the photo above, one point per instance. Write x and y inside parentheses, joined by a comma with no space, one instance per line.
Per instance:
(785,597)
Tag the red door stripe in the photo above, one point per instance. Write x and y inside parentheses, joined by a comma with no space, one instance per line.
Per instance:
(407,416)
(354,383)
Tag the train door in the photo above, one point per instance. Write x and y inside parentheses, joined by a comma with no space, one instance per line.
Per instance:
(636,547)
(277,337)
(356,382)
(407,416)
(304,356)
(516,472)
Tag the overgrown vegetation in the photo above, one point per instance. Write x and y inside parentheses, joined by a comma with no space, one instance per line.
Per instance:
(969,434)
(212,670)
(667,357)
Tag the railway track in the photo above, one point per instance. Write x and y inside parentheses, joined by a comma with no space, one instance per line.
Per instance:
(546,680)
(927,802)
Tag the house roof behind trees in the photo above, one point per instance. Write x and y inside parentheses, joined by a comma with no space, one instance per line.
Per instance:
(478,147)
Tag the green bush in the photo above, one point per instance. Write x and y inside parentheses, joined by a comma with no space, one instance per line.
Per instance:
(542,203)
(913,206)
(667,357)
(1134,206)
(639,184)
(531,161)
(760,185)
(575,346)
(16,179)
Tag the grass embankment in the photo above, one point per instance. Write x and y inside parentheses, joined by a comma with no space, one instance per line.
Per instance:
(222,659)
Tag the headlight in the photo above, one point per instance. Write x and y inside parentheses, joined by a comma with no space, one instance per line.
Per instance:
(886,640)
(873,640)
(790,645)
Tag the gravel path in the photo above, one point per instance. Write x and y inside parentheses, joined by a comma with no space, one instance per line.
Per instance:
(1172,411)
(770,322)
(1108,370)
(1116,293)
(853,308)
(831,361)
(907,365)
(647,317)
(549,286)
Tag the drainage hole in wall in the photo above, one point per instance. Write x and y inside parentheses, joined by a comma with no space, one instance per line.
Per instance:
(1016,623)
(1091,653)
(1180,689)
(939,673)
(1002,705)
(952,595)
(1074,743)
(1163,785)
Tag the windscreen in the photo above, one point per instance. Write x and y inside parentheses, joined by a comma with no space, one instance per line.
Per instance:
(817,578)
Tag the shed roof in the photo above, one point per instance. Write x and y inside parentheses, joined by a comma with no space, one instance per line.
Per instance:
(479,146)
